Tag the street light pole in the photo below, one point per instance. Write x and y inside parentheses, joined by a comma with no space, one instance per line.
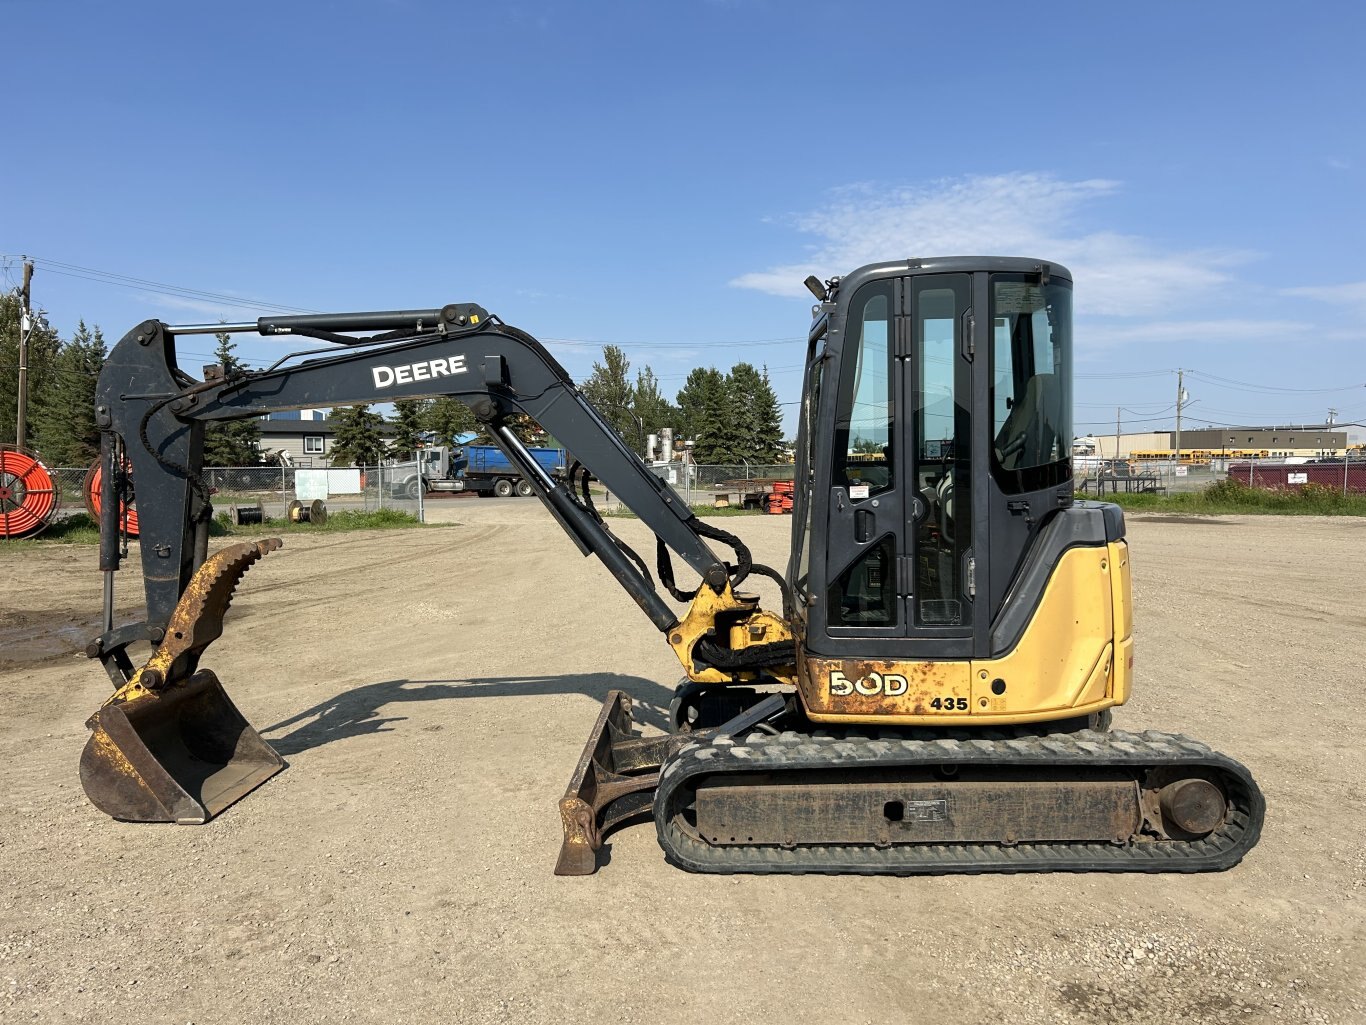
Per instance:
(25,329)
(1180,398)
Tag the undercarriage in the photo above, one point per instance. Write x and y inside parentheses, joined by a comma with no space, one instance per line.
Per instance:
(769,792)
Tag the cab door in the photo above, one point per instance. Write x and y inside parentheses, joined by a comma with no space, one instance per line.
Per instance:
(937,368)
(865,541)
(899,526)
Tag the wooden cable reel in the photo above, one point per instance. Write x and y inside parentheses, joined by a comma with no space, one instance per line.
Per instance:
(310,512)
(246,515)
(29,499)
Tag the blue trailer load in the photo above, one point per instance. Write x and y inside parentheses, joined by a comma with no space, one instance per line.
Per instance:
(488,460)
(482,469)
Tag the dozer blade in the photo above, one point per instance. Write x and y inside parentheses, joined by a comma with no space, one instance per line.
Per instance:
(169,745)
(614,781)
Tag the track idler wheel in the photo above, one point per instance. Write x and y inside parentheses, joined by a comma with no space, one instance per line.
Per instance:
(29,499)
(1195,807)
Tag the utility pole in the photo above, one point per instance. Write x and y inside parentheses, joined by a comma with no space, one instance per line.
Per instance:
(1117,409)
(1180,399)
(25,328)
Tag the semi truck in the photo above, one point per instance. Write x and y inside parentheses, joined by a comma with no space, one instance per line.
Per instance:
(481,469)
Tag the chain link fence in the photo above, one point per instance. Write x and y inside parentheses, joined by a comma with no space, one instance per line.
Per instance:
(1145,477)
(371,488)
(1162,477)
(273,488)
(737,483)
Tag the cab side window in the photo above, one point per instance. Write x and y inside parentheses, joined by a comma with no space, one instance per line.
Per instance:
(865,417)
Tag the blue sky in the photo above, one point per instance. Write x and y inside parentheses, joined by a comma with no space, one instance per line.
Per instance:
(663,175)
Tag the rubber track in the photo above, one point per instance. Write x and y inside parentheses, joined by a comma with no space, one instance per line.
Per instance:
(760,752)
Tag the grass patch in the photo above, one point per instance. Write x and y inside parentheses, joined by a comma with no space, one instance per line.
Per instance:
(336,522)
(81,529)
(1231,497)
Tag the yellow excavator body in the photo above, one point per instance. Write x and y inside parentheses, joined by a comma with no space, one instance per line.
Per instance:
(956,624)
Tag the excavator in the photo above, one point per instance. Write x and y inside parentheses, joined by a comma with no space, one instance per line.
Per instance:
(933,696)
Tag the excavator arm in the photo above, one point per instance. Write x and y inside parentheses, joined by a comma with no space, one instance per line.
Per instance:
(459,351)
(153,417)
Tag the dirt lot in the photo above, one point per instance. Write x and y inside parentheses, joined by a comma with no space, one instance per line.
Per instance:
(431,691)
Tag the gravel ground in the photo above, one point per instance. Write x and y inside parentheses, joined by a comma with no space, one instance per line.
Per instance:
(431,691)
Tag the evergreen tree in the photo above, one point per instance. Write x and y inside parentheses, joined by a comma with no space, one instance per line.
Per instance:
(769,446)
(409,427)
(446,417)
(741,384)
(64,420)
(609,390)
(708,416)
(231,442)
(43,346)
(653,409)
(357,440)
(691,401)
(755,415)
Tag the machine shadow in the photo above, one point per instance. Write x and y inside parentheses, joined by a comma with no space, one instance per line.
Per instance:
(356,712)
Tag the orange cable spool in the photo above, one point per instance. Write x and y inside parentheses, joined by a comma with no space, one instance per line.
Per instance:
(94,477)
(28,497)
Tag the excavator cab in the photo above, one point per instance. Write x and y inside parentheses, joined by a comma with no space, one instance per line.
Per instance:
(934,447)
(934,498)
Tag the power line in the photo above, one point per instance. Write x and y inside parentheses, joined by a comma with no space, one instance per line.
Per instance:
(674,345)
(1225,382)
(130,282)
(1120,375)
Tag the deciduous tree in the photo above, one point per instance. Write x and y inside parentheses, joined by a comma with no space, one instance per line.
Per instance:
(609,389)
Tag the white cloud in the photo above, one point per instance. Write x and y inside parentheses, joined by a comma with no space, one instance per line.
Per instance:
(1033,215)
(1101,335)
(1353,293)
